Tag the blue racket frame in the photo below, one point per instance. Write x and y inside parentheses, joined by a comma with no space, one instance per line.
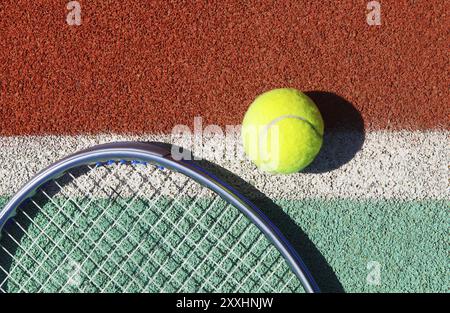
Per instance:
(161,155)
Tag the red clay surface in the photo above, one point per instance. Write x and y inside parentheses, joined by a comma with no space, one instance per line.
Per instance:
(144,66)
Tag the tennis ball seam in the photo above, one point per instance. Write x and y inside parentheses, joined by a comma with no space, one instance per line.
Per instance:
(282,117)
(262,135)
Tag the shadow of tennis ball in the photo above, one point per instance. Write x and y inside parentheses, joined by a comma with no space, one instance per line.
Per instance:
(344,132)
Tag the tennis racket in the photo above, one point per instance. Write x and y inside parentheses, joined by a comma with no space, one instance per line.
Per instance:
(128,217)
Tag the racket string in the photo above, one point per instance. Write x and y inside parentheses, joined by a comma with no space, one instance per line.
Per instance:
(117,219)
(66,236)
(218,240)
(161,268)
(131,208)
(205,237)
(186,235)
(139,228)
(30,248)
(88,256)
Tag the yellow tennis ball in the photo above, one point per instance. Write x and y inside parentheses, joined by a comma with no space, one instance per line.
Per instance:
(282,131)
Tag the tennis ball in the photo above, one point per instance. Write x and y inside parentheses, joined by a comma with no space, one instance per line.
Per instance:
(282,131)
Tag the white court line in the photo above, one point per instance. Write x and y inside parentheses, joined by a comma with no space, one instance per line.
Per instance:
(405,165)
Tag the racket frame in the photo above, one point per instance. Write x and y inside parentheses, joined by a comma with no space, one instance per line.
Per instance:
(160,155)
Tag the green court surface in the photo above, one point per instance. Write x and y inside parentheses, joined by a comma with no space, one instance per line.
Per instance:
(351,246)
(407,239)
(138,244)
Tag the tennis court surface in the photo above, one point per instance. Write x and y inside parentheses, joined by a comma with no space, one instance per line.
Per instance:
(369,215)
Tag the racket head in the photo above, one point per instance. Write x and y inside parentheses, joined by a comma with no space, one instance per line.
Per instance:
(171,227)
